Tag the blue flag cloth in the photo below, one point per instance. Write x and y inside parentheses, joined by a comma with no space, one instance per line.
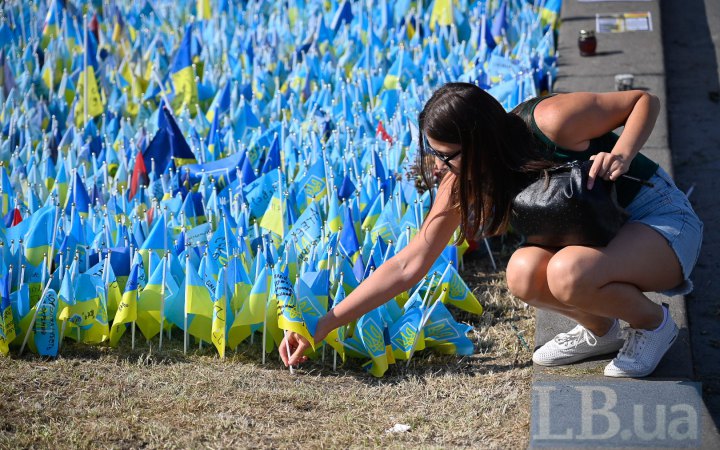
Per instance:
(167,146)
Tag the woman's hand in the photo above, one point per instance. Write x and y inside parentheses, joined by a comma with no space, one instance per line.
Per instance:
(608,166)
(297,345)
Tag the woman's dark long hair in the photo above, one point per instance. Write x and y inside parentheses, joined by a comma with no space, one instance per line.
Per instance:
(497,151)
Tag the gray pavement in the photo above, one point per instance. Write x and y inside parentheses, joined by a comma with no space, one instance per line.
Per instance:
(691,41)
(685,142)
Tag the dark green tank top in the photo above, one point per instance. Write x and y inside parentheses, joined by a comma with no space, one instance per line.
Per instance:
(641,166)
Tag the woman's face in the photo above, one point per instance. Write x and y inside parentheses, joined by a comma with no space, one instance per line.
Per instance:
(447,156)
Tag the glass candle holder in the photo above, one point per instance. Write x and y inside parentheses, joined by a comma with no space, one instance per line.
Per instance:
(587,43)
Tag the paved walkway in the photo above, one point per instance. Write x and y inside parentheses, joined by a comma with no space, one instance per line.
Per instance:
(691,40)
(683,126)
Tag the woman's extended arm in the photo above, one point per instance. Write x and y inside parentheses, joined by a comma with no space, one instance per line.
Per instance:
(394,276)
(571,120)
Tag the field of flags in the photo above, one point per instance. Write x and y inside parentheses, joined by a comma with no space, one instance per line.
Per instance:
(224,171)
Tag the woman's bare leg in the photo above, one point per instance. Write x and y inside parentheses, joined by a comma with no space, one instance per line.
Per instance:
(527,279)
(610,281)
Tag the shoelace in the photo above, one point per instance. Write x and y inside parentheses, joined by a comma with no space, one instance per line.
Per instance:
(576,336)
(634,341)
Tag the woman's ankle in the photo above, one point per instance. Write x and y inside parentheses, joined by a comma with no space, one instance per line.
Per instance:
(600,328)
(652,322)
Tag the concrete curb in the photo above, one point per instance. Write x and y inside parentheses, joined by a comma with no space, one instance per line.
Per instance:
(641,54)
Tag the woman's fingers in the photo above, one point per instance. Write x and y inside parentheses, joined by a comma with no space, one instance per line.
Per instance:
(606,166)
(292,348)
(596,170)
(297,355)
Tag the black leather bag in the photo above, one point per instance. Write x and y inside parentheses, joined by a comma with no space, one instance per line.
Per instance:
(558,210)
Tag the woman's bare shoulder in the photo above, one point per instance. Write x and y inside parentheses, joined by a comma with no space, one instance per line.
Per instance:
(572,119)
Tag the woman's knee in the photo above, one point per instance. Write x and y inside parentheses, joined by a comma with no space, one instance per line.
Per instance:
(570,275)
(526,275)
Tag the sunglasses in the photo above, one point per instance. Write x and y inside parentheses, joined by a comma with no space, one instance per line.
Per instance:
(444,157)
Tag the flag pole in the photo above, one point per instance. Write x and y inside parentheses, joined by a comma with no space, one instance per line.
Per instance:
(264,332)
(429,289)
(226,229)
(185,333)
(492,259)
(227,305)
(52,244)
(21,280)
(21,252)
(62,335)
(287,347)
(165,235)
(132,327)
(86,100)
(10,272)
(335,353)
(106,279)
(162,299)
(45,270)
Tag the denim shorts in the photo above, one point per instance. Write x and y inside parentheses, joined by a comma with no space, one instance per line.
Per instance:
(666,209)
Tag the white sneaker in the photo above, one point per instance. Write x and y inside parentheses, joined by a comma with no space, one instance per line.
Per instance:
(643,349)
(576,345)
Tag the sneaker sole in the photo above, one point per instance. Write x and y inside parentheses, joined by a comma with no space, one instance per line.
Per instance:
(645,373)
(576,358)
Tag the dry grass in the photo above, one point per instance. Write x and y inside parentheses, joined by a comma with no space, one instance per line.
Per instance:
(101,397)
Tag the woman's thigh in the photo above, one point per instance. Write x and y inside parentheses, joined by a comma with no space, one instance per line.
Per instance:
(638,255)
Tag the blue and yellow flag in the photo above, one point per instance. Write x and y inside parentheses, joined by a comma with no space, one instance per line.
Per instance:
(406,331)
(307,228)
(252,310)
(442,14)
(371,332)
(183,76)
(150,301)
(88,87)
(39,235)
(274,217)
(46,334)
(7,325)
(550,13)
(458,293)
(52,25)
(204,11)
(334,219)
(197,297)
(299,315)
(128,308)
(443,334)
(219,315)
(167,147)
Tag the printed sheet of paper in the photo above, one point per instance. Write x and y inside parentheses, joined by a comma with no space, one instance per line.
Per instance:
(622,22)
